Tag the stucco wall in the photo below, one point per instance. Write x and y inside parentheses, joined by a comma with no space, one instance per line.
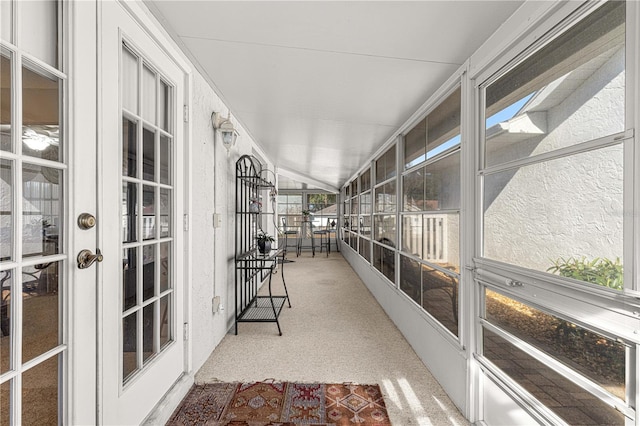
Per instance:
(566,207)
(213,191)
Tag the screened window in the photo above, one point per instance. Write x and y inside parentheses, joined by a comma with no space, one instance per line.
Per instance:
(438,132)
(323,209)
(386,165)
(561,214)
(430,231)
(570,91)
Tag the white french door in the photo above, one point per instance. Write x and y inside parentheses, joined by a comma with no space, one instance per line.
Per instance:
(35,189)
(141,351)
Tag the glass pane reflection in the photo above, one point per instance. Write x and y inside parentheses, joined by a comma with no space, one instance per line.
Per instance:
(40,115)
(148,94)
(129,212)
(129,148)
(165,320)
(149,155)
(6,342)
(41,210)
(6,210)
(592,354)
(129,345)
(165,159)
(148,321)
(129,81)
(165,266)
(129,278)
(40,309)
(148,271)
(5,397)
(5,102)
(569,401)
(149,212)
(40,399)
(165,213)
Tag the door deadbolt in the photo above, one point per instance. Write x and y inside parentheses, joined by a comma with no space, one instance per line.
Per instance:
(86,221)
(86,258)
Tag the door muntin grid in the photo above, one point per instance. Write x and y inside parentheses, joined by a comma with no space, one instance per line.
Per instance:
(147,143)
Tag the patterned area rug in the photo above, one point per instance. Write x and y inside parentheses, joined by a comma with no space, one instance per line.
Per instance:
(282,404)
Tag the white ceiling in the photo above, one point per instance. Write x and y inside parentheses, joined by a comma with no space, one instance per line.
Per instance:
(322,85)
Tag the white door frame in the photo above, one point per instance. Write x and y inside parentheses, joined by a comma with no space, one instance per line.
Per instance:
(82,109)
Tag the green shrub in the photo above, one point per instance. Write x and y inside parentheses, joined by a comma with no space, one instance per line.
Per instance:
(604,272)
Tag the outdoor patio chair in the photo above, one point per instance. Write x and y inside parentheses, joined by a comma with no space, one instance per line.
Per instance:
(290,236)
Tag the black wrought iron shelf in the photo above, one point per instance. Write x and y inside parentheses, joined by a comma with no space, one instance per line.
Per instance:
(251,267)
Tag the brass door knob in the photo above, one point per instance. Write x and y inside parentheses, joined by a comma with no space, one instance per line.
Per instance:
(86,258)
(86,221)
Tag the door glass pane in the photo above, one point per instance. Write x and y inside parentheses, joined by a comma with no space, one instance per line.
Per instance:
(129,212)
(6,342)
(40,309)
(149,215)
(43,43)
(165,316)
(41,210)
(146,190)
(129,148)
(148,271)
(559,216)
(164,106)
(570,91)
(40,398)
(566,399)
(148,321)
(6,210)
(165,266)
(129,81)
(6,21)
(40,115)
(598,357)
(165,212)
(129,278)
(5,397)
(149,155)
(148,95)
(5,102)
(165,159)
(129,345)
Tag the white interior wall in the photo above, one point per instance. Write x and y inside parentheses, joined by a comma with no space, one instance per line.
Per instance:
(213,191)
(442,355)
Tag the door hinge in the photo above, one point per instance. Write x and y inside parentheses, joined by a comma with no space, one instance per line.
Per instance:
(185,222)
(185,113)
(185,331)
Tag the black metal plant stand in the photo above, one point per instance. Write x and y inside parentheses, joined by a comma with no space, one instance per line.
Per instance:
(251,266)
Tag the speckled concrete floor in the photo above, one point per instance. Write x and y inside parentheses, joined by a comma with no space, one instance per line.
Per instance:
(335,332)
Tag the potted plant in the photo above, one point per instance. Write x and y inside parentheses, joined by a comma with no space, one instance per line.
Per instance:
(305,215)
(264,242)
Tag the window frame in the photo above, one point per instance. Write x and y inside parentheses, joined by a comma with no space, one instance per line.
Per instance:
(611,313)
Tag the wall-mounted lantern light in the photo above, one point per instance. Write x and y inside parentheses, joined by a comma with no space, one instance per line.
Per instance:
(227,131)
